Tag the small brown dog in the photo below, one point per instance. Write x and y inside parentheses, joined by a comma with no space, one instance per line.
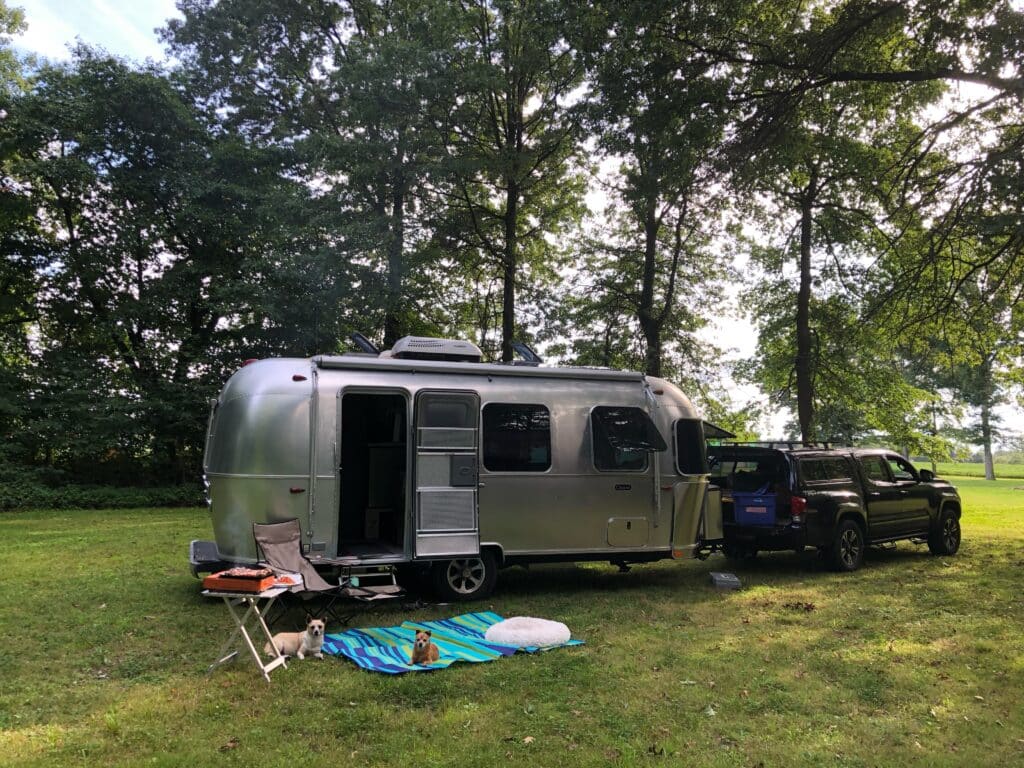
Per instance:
(424,651)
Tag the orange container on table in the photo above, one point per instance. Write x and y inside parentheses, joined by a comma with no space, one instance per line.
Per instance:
(240,580)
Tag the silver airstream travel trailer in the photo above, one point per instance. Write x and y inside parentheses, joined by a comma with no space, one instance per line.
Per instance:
(425,456)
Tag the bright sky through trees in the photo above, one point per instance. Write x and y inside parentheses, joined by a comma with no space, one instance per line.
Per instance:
(128,29)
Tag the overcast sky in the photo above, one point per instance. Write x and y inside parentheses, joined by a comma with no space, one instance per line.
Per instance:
(123,28)
(128,28)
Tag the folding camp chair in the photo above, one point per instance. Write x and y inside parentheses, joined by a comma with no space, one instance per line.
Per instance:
(281,545)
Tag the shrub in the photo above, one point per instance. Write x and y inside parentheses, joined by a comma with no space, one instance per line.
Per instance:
(28,493)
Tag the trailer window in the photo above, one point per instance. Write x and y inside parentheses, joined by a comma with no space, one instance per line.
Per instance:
(623,437)
(691,448)
(446,412)
(517,438)
(448,420)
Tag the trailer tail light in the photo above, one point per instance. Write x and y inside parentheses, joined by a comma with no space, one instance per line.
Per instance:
(249,361)
(797,508)
(298,377)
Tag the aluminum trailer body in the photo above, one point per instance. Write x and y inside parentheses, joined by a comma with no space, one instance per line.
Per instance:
(453,465)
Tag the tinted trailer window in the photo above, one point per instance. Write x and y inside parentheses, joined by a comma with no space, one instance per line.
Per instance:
(623,436)
(516,438)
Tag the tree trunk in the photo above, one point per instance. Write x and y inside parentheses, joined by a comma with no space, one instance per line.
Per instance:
(396,268)
(804,369)
(986,440)
(508,299)
(515,101)
(935,433)
(649,324)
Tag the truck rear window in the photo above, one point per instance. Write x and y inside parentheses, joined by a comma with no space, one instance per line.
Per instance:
(765,473)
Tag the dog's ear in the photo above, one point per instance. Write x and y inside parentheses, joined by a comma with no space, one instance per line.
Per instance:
(309,618)
(427,632)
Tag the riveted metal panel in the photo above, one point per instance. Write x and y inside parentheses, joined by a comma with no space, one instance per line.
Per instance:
(447,544)
(627,532)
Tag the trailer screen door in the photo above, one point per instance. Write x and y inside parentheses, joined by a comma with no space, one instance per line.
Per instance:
(447,434)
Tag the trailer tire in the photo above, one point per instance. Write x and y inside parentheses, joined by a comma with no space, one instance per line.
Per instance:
(465,578)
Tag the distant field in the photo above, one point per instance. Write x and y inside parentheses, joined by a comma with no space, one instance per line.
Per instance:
(964,469)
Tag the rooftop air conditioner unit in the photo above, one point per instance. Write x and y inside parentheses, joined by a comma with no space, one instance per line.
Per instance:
(422,348)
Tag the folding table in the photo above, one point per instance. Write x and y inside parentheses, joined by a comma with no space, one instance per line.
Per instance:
(258,603)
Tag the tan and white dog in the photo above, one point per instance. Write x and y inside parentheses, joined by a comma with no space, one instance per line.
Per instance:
(424,651)
(300,643)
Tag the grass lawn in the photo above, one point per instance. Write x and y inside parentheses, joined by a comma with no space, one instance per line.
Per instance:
(914,660)
(964,469)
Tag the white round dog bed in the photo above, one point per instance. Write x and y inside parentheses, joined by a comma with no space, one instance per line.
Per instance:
(525,631)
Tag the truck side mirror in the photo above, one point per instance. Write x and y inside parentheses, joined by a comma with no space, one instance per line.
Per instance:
(926,475)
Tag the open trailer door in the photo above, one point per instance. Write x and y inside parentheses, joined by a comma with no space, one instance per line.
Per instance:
(447,436)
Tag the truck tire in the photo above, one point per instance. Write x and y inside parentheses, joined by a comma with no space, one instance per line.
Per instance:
(847,550)
(465,578)
(944,538)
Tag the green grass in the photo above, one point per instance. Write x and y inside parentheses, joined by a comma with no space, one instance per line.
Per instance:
(914,660)
(965,469)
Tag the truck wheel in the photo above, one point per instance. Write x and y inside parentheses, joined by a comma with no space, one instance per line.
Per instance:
(467,578)
(847,550)
(944,538)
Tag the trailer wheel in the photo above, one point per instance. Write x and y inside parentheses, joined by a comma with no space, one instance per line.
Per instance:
(466,578)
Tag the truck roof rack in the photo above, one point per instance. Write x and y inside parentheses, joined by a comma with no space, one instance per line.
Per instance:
(792,445)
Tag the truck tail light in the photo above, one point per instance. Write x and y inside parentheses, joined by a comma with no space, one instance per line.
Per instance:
(797,508)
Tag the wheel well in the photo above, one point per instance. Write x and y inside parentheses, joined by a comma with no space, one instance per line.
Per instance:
(955,506)
(495,549)
(851,515)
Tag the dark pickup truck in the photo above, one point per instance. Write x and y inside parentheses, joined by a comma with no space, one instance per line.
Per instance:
(840,500)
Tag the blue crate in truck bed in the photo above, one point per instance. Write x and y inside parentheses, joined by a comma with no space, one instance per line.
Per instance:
(754,508)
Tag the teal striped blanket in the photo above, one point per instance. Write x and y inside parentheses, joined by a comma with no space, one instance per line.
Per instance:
(387,649)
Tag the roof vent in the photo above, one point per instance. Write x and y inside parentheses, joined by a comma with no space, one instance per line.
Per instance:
(422,348)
